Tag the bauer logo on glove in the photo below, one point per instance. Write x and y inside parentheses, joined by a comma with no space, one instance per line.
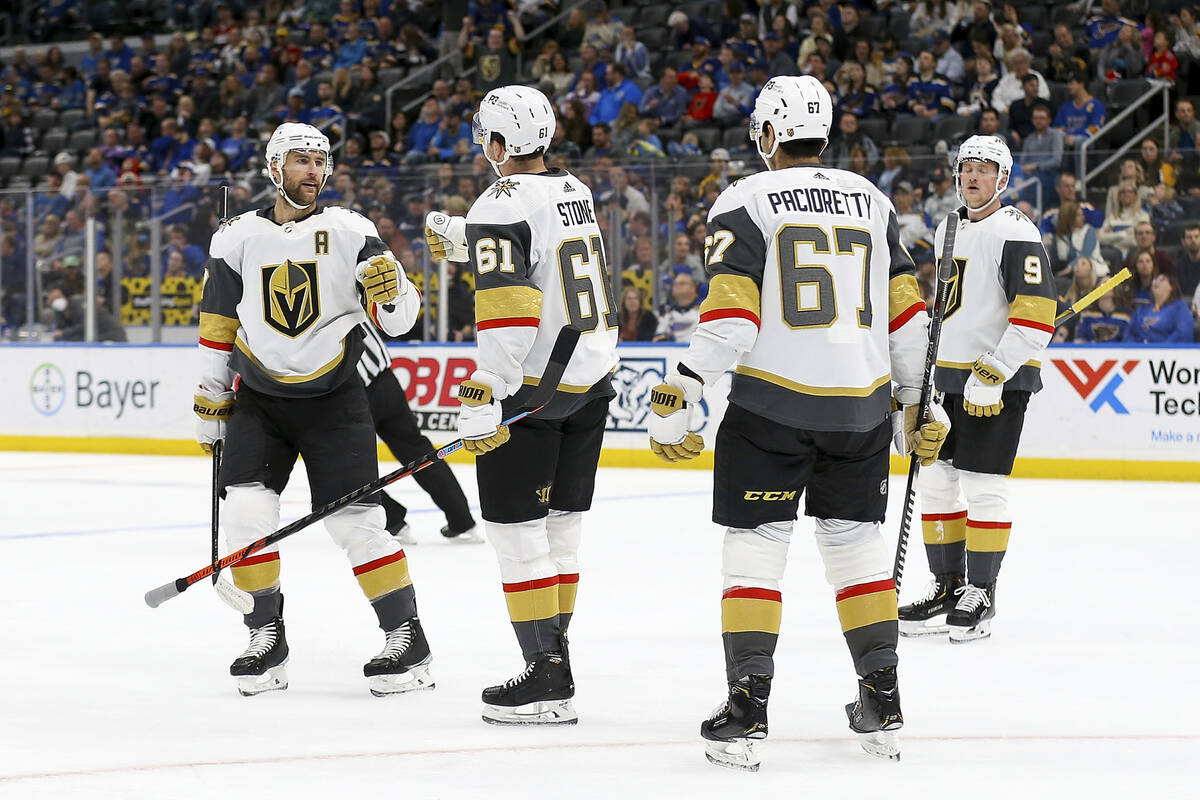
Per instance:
(676,414)
(479,417)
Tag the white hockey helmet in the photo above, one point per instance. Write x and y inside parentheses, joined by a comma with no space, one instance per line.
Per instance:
(984,148)
(520,114)
(798,107)
(291,136)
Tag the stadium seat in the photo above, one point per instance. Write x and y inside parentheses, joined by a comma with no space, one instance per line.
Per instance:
(35,165)
(654,39)
(1064,15)
(9,166)
(82,140)
(870,27)
(1126,93)
(44,119)
(627,14)
(390,75)
(708,136)
(654,16)
(72,118)
(899,26)
(1034,17)
(1114,258)
(735,137)
(1042,40)
(54,140)
(910,130)
(912,45)
(1058,93)
(874,128)
(1173,234)
(20,182)
(953,129)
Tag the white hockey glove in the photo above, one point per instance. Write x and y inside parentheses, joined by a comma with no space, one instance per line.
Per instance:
(213,409)
(981,395)
(924,439)
(382,278)
(480,415)
(446,236)
(675,404)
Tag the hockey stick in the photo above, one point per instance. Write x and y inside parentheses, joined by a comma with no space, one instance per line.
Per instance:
(944,274)
(216,499)
(564,346)
(1093,296)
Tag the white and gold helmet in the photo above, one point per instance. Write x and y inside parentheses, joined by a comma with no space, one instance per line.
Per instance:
(291,136)
(797,107)
(520,114)
(984,148)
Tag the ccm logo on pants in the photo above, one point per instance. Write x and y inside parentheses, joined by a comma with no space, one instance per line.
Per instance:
(769,496)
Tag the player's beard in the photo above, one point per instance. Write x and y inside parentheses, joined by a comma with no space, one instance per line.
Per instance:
(293,189)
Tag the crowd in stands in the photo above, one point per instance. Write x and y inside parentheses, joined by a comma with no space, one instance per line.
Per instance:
(137,112)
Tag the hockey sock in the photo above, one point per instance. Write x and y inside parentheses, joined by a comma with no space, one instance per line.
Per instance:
(268,604)
(750,629)
(533,609)
(257,573)
(568,585)
(986,545)
(945,538)
(564,531)
(867,612)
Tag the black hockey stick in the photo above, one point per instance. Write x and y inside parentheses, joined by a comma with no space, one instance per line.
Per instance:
(945,272)
(564,346)
(216,500)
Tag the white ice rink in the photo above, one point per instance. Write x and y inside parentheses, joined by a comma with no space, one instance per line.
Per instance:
(1088,687)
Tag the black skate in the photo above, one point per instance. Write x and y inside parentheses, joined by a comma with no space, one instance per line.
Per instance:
(540,695)
(729,733)
(261,667)
(472,535)
(971,617)
(875,716)
(403,664)
(927,616)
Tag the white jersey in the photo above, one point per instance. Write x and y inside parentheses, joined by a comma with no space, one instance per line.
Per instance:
(1002,299)
(539,264)
(282,302)
(814,295)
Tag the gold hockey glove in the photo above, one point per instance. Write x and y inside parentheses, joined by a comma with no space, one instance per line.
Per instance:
(675,404)
(380,278)
(985,385)
(480,415)
(926,439)
(213,409)
(446,236)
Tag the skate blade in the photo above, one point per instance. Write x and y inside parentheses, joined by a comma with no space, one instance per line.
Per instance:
(543,712)
(274,679)
(882,744)
(963,635)
(405,536)
(934,626)
(733,754)
(416,679)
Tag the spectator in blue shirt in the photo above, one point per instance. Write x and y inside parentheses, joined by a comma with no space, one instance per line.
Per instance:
(1067,190)
(1166,319)
(1102,323)
(353,49)
(1081,116)
(238,146)
(1103,28)
(319,53)
(99,173)
(928,92)
(452,142)
(632,54)
(618,91)
(119,54)
(89,65)
(193,256)
(666,101)
(421,134)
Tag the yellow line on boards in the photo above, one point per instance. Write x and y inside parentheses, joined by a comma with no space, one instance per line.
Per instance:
(1077,469)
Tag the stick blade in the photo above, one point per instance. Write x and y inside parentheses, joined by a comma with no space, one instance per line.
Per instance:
(156,597)
(234,597)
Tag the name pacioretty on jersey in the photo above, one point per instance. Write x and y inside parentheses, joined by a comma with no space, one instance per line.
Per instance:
(821,201)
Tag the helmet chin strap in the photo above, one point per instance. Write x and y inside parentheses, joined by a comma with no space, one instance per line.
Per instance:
(774,145)
(995,194)
(496,164)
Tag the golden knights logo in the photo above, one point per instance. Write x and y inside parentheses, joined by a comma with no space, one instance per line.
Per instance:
(504,186)
(954,288)
(291,301)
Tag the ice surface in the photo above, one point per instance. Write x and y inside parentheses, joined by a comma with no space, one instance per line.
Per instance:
(1088,687)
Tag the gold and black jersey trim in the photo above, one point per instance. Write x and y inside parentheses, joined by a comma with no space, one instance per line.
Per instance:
(217,331)
(817,408)
(508,307)
(731,296)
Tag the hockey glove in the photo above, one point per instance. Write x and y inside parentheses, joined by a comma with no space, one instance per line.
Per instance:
(213,409)
(926,439)
(981,396)
(382,278)
(675,404)
(480,415)
(446,236)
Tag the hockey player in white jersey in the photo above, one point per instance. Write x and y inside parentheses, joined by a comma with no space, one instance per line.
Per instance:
(999,317)
(285,291)
(539,263)
(813,297)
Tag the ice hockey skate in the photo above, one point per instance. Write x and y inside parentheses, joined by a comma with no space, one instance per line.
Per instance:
(396,523)
(403,664)
(875,716)
(260,668)
(927,616)
(473,535)
(731,731)
(540,695)
(971,617)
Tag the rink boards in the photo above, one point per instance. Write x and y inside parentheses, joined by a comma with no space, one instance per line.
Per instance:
(1105,412)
